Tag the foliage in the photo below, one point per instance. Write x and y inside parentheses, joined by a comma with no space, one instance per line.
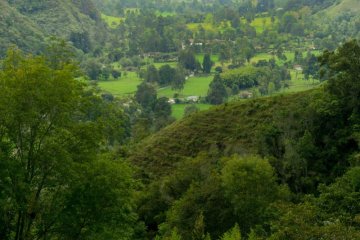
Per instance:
(217,93)
(207,63)
(51,155)
(232,234)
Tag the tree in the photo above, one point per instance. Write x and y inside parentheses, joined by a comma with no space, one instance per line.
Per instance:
(49,156)
(199,228)
(162,108)
(178,79)
(81,40)
(232,234)
(217,93)
(146,96)
(166,74)
(342,68)
(250,185)
(152,74)
(207,63)
(187,60)
(311,67)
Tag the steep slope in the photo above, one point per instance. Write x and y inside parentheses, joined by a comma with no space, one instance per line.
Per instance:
(75,20)
(17,29)
(236,127)
(344,6)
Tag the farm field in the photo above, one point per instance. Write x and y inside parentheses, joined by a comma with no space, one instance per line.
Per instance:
(123,86)
(299,83)
(194,86)
(262,23)
(214,57)
(158,65)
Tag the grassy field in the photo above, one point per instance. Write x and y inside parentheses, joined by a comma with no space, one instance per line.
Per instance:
(194,86)
(194,27)
(200,58)
(289,55)
(178,109)
(262,23)
(123,86)
(158,65)
(112,22)
(165,13)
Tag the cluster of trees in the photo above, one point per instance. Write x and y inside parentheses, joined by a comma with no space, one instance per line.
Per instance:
(265,75)
(155,112)
(165,76)
(58,176)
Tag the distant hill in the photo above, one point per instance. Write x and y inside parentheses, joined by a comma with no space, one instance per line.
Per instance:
(26,23)
(343,6)
(17,29)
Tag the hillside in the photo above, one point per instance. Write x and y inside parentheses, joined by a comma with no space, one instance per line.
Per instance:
(31,21)
(344,6)
(17,29)
(231,128)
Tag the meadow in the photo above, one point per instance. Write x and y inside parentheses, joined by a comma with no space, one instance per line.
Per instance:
(262,23)
(179,109)
(123,86)
(112,22)
(194,86)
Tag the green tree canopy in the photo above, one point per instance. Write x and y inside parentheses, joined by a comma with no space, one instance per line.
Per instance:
(50,147)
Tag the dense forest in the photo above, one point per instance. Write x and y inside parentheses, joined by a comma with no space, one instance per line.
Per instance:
(180,119)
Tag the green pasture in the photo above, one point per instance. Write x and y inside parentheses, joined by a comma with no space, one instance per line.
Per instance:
(112,22)
(158,65)
(165,13)
(194,27)
(194,86)
(178,109)
(200,58)
(298,83)
(122,86)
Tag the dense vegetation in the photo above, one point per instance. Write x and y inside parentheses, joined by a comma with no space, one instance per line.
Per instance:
(92,144)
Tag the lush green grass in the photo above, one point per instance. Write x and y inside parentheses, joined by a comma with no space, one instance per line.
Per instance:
(178,109)
(194,27)
(289,55)
(158,65)
(299,83)
(343,6)
(123,86)
(194,86)
(200,58)
(262,23)
(112,22)
(261,56)
(165,13)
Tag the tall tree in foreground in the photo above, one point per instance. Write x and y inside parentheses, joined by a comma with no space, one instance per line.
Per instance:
(53,185)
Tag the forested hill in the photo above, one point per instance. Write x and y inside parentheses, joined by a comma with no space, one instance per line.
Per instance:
(344,6)
(28,23)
